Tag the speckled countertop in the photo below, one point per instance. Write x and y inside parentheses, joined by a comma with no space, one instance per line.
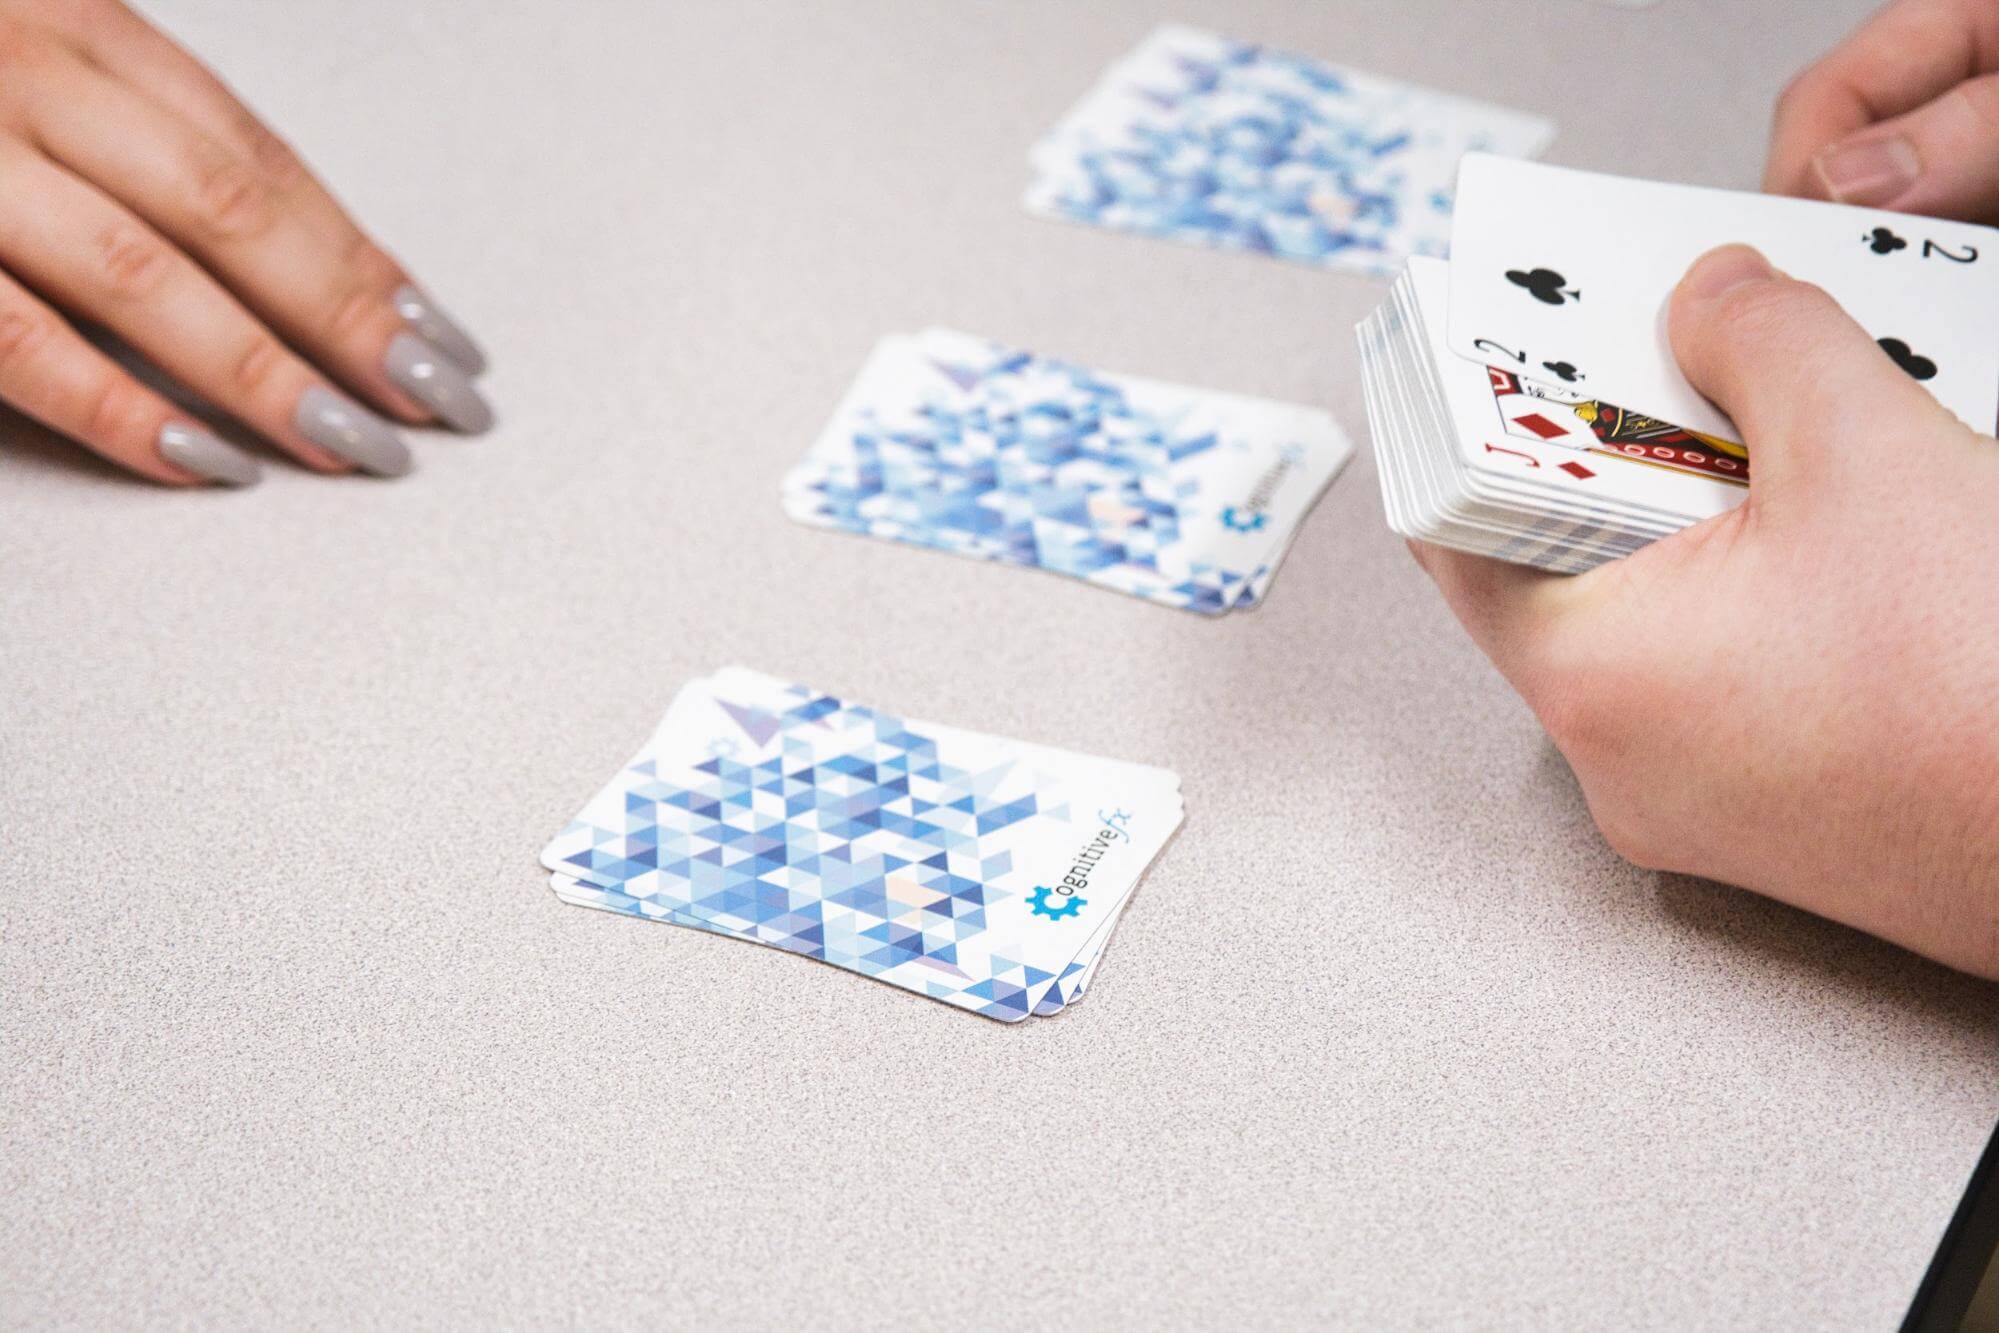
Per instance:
(295,1033)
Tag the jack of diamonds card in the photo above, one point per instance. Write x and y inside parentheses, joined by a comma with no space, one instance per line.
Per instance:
(1534,411)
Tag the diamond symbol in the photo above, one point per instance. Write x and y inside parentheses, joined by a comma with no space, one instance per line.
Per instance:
(1577,470)
(1540,425)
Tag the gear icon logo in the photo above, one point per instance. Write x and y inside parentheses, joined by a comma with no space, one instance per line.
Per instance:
(1067,907)
(1236,521)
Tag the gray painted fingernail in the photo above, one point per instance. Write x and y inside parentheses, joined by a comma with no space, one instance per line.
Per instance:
(438,382)
(351,431)
(207,455)
(440,330)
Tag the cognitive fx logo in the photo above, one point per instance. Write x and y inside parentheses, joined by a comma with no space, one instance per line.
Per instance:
(1250,515)
(1064,899)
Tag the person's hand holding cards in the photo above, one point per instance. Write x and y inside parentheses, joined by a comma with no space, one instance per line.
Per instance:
(1526,401)
(1562,276)
(1791,695)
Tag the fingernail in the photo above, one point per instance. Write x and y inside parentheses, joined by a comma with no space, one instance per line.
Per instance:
(1724,269)
(438,382)
(1872,172)
(207,454)
(428,320)
(351,431)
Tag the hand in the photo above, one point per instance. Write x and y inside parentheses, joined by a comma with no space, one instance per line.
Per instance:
(1798,696)
(138,194)
(1904,114)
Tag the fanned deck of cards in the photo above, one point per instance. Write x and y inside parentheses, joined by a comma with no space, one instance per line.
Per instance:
(1525,401)
(1187,497)
(983,872)
(1198,138)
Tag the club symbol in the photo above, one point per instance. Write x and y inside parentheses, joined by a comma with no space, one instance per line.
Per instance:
(1543,284)
(1919,366)
(1884,242)
(1563,371)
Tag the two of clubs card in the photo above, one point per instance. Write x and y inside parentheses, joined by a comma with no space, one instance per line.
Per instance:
(1182,496)
(983,872)
(1525,400)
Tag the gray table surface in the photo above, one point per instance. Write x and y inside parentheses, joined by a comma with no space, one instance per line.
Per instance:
(295,1033)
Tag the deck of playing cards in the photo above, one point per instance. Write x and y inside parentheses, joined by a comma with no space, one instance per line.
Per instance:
(1198,138)
(1525,403)
(1182,496)
(983,872)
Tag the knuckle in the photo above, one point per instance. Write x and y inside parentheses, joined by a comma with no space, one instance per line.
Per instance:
(1632,837)
(1582,700)
(258,366)
(1801,100)
(273,157)
(355,316)
(133,264)
(23,335)
(1982,97)
(233,201)
(1801,89)
(1603,714)
(371,265)
(117,410)
(1574,718)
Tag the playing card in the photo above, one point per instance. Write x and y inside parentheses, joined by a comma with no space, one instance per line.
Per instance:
(1202,139)
(1595,453)
(1067,988)
(624,896)
(1562,276)
(1184,496)
(1425,492)
(1474,458)
(983,872)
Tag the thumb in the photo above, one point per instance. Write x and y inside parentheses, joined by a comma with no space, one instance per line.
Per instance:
(1786,363)
(1940,160)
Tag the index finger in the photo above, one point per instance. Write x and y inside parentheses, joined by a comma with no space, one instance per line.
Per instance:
(1905,56)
